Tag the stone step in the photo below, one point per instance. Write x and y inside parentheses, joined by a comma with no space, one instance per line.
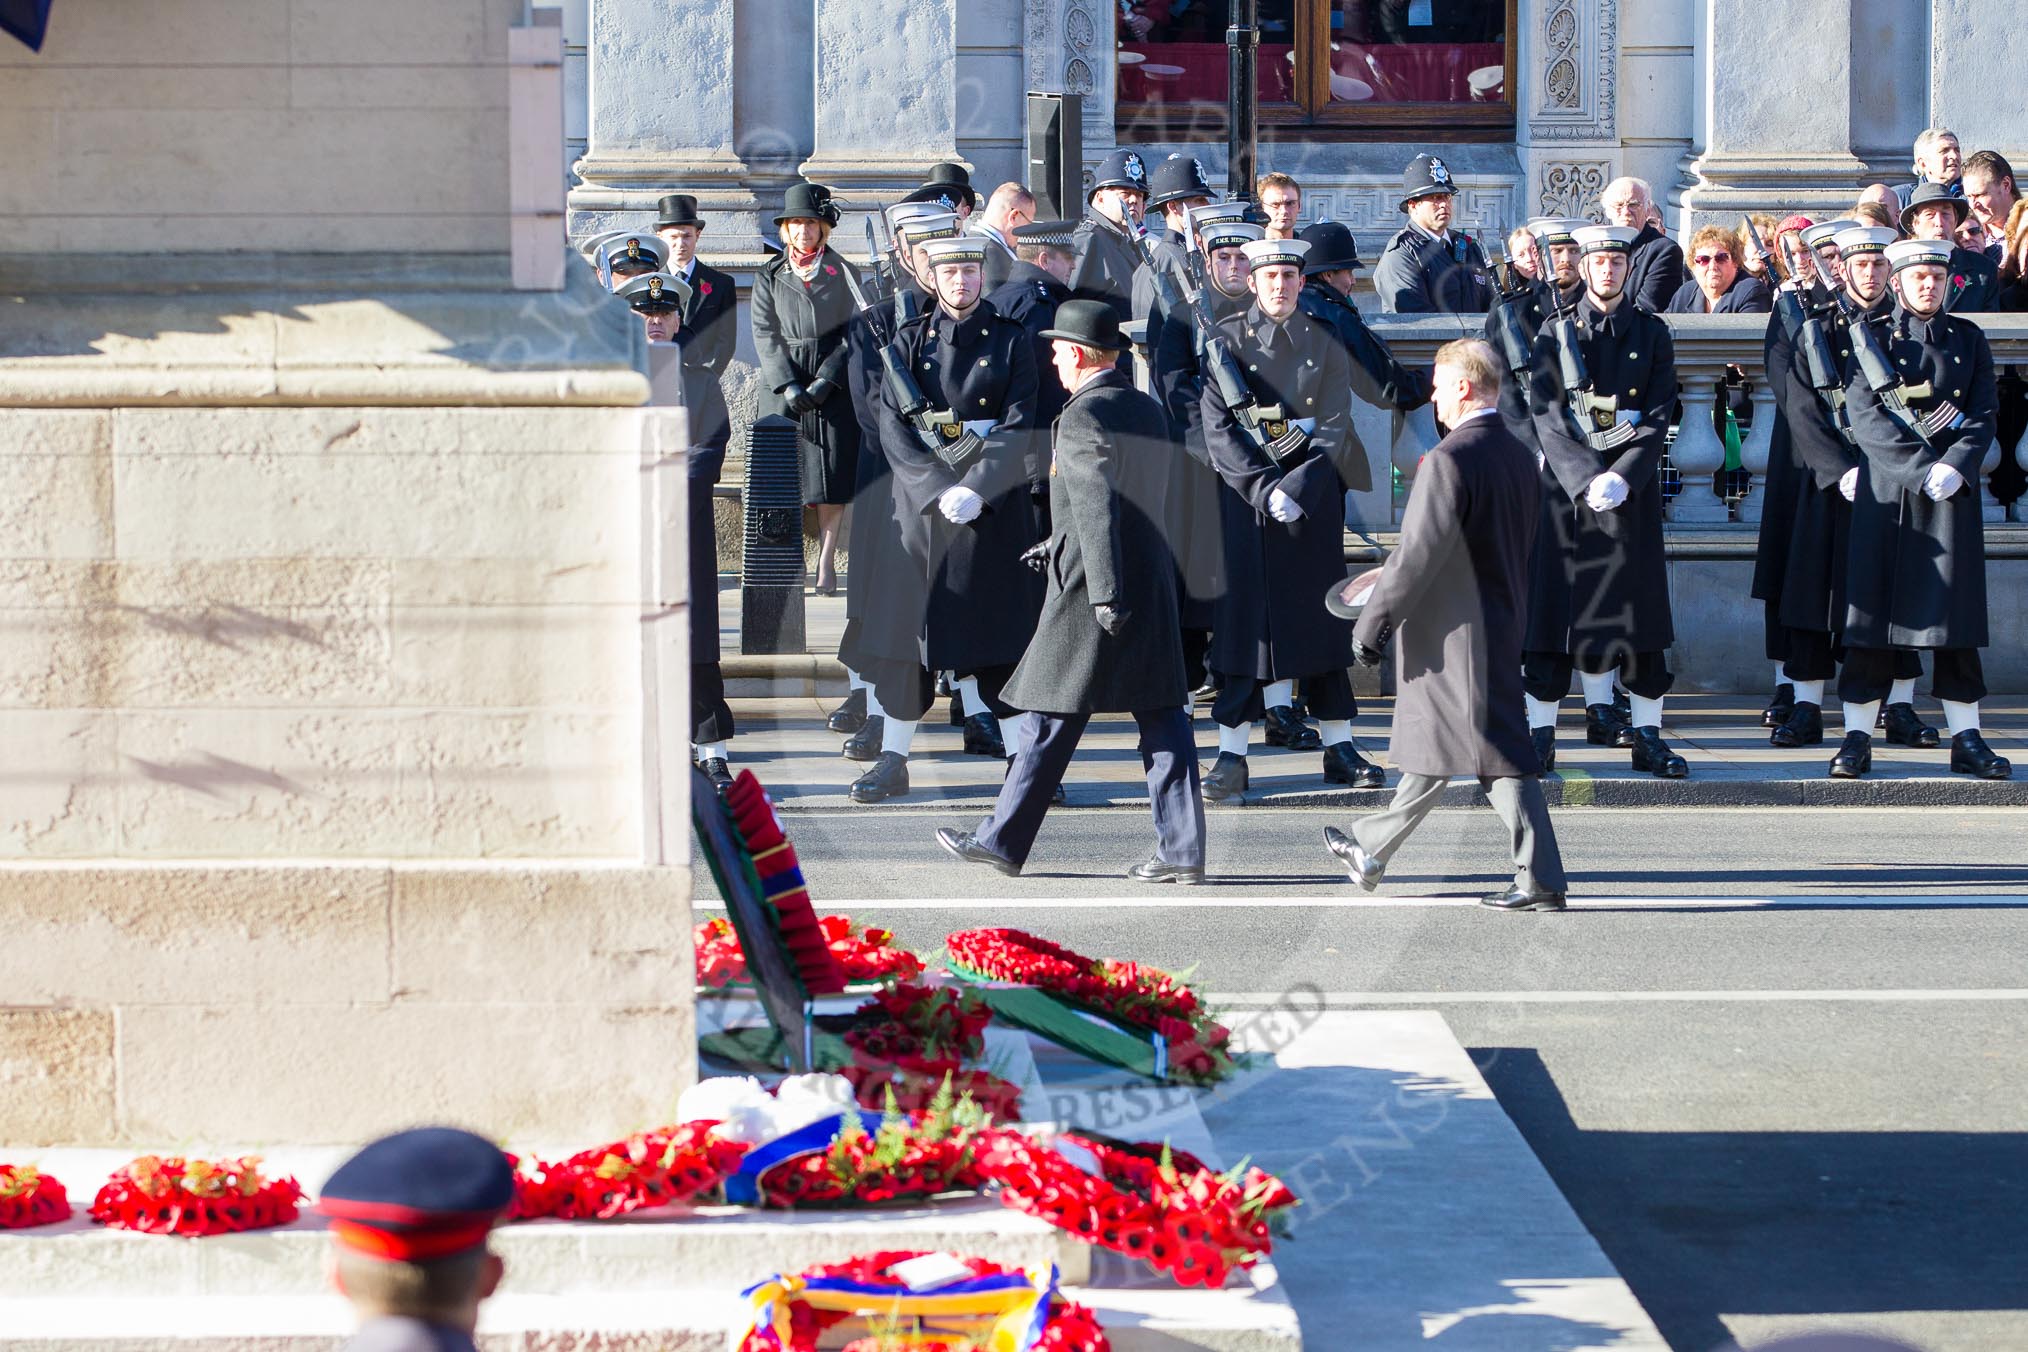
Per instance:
(671,1319)
(724,1247)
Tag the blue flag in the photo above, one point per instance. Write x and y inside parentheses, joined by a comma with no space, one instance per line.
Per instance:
(26,19)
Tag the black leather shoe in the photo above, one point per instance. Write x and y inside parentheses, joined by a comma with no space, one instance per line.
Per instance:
(887,779)
(1971,756)
(850,716)
(1905,726)
(1652,754)
(1226,781)
(864,745)
(1360,866)
(1623,705)
(1283,728)
(1545,747)
(1780,707)
(1804,728)
(1514,899)
(1604,727)
(1344,765)
(1855,756)
(1155,871)
(982,737)
(718,772)
(964,845)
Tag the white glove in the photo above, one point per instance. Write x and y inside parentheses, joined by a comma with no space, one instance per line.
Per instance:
(960,504)
(1282,507)
(1848,483)
(1607,491)
(1941,482)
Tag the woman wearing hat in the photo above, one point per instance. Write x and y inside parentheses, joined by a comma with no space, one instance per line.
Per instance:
(801,304)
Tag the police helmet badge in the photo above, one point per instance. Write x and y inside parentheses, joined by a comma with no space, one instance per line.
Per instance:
(1198,165)
(1438,173)
(1136,170)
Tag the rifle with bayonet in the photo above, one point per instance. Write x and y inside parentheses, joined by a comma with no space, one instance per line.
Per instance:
(1516,344)
(883,260)
(939,430)
(1267,425)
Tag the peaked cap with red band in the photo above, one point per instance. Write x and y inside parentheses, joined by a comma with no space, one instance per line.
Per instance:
(419,1195)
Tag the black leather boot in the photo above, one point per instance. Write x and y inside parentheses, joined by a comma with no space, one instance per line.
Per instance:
(1226,781)
(1855,756)
(1905,726)
(887,779)
(864,745)
(1545,747)
(1604,727)
(1283,728)
(850,716)
(1971,756)
(1652,754)
(1804,728)
(1344,765)
(982,737)
(1780,707)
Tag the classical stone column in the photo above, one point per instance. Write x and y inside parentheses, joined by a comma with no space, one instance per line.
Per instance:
(886,95)
(1774,98)
(662,75)
(1976,48)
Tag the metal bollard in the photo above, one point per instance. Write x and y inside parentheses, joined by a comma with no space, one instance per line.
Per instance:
(771,554)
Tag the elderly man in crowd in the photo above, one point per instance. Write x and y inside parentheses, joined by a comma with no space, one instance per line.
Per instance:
(1655,264)
(1937,160)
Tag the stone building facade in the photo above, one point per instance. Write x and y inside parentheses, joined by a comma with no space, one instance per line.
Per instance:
(1724,105)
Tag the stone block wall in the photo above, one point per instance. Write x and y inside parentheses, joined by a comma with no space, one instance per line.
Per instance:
(337,125)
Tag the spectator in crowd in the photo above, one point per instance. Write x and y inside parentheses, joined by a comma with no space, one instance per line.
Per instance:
(1281,198)
(1932,213)
(1009,208)
(2014,260)
(1753,260)
(1523,251)
(1873,213)
(1655,264)
(1882,195)
(1937,160)
(1718,285)
(1971,237)
(1989,186)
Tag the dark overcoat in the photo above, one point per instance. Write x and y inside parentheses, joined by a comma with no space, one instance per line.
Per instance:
(1105,499)
(1419,274)
(712,314)
(1780,483)
(982,600)
(1916,570)
(1106,263)
(1196,523)
(1377,377)
(1029,297)
(886,589)
(1748,295)
(1615,582)
(1172,258)
(1654,270)
(1270,623)
(1974,283)
(1452,598)
(799,336)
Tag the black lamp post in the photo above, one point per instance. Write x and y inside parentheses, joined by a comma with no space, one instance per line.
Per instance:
(1242,44)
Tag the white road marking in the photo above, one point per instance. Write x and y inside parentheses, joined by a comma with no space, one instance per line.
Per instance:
(1188,899)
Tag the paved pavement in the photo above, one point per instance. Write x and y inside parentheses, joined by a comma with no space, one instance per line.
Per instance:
(1772,1057)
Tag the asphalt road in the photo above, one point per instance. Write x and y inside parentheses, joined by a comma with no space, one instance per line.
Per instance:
(1776,1061)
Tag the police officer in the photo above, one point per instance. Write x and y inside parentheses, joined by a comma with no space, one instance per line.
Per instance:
(710,329)
(959,473)
(410,1216)
(1106,256)
(1603,438)
(1284,458)
(1175,189)
(1916,567)
(1427,267)
(887,589)
(1176,337)
(1037,283)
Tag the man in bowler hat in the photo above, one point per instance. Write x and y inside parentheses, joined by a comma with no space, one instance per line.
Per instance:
(1108,641)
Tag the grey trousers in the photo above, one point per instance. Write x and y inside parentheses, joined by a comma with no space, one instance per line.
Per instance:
(1538,865)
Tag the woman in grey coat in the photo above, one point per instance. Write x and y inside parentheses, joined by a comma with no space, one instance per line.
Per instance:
(801,303)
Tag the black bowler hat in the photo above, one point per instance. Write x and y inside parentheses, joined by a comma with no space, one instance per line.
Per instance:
(1089,323)
(677,209)
(419,1195)
(807,201)
(1426,176)
(1331,247)
(1177,179)
(949,184)
(1121,169)
(1929,194)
